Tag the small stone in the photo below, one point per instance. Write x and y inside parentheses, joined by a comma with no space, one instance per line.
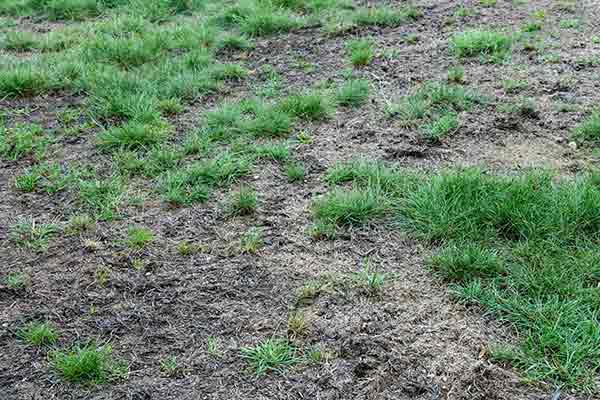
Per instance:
(573,145)
(559,139)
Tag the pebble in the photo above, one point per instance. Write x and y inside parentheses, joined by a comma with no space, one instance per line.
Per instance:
(573,145)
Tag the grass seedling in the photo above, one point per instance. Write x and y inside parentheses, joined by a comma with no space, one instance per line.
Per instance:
(139,237)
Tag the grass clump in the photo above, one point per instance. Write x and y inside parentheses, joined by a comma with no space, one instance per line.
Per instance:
(270,355)
(360,51)
(16,280)
(440,127)
(349,207)
(490,46)
(353,93)
(252,240)
(138,237)
(193,183)
(467,261)
(38,334)
(22,140)
(23,80)
(589,130)
(386,16)
(28,233)
(243,202)
(133,135)
(308,105)
(295,172)
(90,364)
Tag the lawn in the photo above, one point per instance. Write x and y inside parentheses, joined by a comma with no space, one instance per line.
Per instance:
(269,199)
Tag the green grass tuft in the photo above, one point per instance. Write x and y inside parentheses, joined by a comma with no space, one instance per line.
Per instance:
(491,46)
(270,355)
(353,93)
(38,334)
(589,130)
(89,364)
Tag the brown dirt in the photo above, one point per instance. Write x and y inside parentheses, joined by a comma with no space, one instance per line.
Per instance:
(413,342)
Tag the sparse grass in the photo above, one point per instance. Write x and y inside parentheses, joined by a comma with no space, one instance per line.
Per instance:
(360,52)
(456,74)
(38,334)
(270,355)
(589,129)
(296,324)
(569,23)
(353,93)
(16,280)
(520,246)
(243,202)
(169,366)
(90,364)
(308,105)
(30,234)
(101,197)
(80,223)
(385,16)
(441,127)
(252,240)
(193,183)
(372,281)
(295,172)
(138,237)
(490,46)
(22,140)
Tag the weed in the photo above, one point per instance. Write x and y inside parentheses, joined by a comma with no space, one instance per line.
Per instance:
(456,74)
(90,364)
(212,346)
(441,127)
(38,334)
(372,281)
(270,355)
(569,23)
(353,93)
(80,223)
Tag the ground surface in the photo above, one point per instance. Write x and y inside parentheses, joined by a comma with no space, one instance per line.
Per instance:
(412,342)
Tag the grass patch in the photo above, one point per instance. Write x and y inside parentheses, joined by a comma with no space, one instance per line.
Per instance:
(90,364)
(353,93)
(488,45)
(308,105)
(385,16)
(38,334)
(243,202)
(30,234)
(525,248)
(23,140)
(271,355)
(589,130)
(360,52)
